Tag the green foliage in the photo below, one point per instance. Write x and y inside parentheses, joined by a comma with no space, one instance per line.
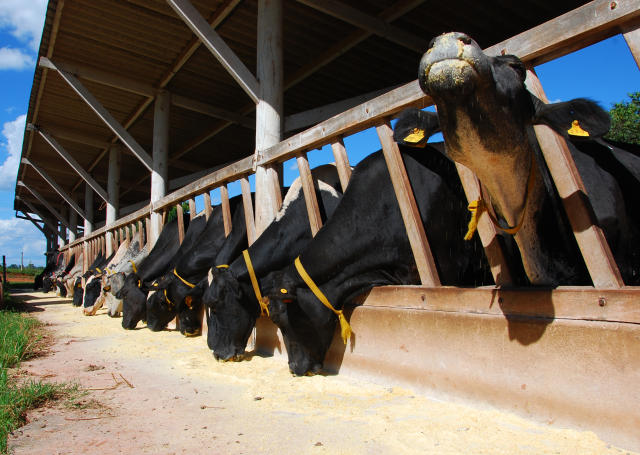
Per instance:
(19,336)
(173,213)
(625,120)
(28,270)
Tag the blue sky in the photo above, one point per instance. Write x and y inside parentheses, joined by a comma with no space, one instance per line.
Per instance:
(605,72)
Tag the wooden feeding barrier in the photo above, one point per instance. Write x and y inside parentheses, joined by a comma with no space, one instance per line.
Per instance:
(569,354)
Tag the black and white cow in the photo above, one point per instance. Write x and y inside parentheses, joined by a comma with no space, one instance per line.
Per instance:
(231,302)
(161,258)
(179,290)
(38,281)
(115,281)
(486,115)
(92,281)
(364,244)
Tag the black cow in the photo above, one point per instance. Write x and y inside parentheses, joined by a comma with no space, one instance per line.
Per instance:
(38,281)
(232,305)
(59,279)
(364,244)
(160,259)
(92,280)
(486,115)
(175,296)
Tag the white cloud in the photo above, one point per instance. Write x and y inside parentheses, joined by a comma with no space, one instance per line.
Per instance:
(25,19)
(14,59)
(13,133)
(21,236)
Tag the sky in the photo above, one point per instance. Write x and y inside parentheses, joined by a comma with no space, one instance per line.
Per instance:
(604,72)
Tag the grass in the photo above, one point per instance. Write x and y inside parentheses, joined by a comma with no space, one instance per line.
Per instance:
(21,338)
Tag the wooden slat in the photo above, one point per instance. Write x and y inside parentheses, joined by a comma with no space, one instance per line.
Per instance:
(486,229)
(247,204)
(342,162)
(207,205)
(180,215)
(140,234)
(313,210)
(192,209)
(226,210)
(632,37)
(593,245)
(148,233)
(408,207)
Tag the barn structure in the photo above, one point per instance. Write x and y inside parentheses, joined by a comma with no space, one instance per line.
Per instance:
(140,105)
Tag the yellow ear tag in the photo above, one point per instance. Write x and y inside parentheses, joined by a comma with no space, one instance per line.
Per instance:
(576,130)
(283,291)
(139,283)
(415,136)
(187,300)
(155,285)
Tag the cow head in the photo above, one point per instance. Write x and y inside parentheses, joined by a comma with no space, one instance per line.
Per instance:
(78,292)
(115,282)
(134,298)
(91,293)
(170,298)
(231,315)
(307,326)
(161,308)
(486,116)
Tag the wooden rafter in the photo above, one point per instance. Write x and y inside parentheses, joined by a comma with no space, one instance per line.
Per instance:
(47,205)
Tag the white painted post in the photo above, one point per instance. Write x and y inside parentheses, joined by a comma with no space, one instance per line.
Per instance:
(88,209)
(269,118)
(113,191)
(73,222)
(159,174)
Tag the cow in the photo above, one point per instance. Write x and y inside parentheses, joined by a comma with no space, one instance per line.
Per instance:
(69,280)
(116,280)
(93,295)
(96,269)
(179,290)
(38,281)
(48,281)
(78,295)
(160,259)
(364,244)
(486,115)
(232,306)
(61,276)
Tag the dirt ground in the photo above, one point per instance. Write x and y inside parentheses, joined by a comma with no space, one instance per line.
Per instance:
(161,393)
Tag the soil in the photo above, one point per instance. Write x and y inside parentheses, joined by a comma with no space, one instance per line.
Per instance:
(161,393)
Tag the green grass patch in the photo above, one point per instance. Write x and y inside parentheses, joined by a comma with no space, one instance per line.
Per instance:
(20,338)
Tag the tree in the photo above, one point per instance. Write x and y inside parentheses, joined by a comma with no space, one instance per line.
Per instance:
(625,120)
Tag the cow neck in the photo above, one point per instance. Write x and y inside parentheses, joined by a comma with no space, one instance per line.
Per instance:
(262,301)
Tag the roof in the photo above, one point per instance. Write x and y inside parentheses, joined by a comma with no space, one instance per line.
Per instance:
(145,46)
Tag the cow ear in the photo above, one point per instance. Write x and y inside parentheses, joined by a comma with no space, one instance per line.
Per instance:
(578,118)
(414,127)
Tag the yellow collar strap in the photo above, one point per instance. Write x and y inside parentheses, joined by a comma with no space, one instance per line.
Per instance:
(183,280)
(98,270)
(478,206)
(133,264)
(264,303)
(345,328)
(222,266)
(168,300)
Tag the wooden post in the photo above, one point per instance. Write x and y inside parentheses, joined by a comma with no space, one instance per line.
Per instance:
(247,204)
(192,209)
(4,269)
(113,192)
(148,233)
(408,207)
(593,245)
(159,175)
(73,222)
(226,210)
(140,234)
(180,217)
(342,162)
(269,109)
(632,37)
(313,210)
(88,226)
(486,229)
(207,205)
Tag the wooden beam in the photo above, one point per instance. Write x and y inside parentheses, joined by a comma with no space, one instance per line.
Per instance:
(102,113)
(226,210)
(73,136)
(319,114)
(207,205)
(28,217)
(408,207)
(212,111)
(308,189)
(48,206)
(73,163)
(247,205)
(63,194)
(342,162)
(180,217)
(590,237)
(44,219)
(192,209)
(369,23)
(200,27)
(486,229)
(632,37)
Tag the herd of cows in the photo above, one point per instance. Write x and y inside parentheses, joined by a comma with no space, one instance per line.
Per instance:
(302,282)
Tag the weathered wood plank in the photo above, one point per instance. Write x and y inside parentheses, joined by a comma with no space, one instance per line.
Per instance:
(192,209)
(180,215)
(226,210)
(342,162)
(247,204)
(207,205)
(632,37)
(593,245)
(308,189)
(408,207)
